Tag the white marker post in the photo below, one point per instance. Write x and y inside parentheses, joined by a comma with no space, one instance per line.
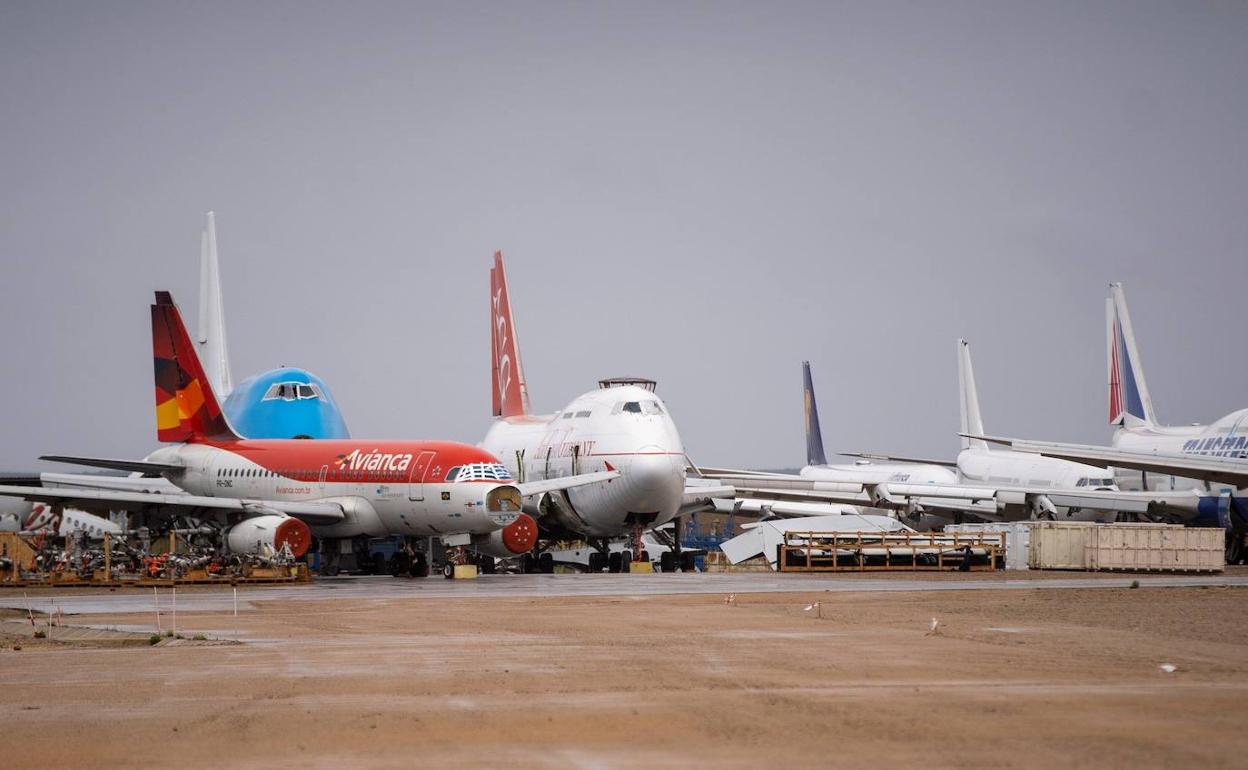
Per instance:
(156,603)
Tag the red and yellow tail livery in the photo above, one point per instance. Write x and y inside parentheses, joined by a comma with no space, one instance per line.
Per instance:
(186,407)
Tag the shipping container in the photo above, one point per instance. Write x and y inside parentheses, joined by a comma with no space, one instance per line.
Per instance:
(1059,544)
(1156,548)
(1017,539)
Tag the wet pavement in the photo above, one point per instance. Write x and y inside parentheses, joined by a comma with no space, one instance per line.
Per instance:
(221,598)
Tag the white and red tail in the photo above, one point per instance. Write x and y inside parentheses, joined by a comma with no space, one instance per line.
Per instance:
(1129,402)
(511,396)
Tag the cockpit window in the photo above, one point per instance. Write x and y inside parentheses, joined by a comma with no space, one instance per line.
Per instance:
(567,415)
(652,407)
(479,472)
(293,391)
(582,414)
(632,406)
(1082,483)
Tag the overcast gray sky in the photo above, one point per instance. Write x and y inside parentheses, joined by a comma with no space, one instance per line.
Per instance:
(703,193)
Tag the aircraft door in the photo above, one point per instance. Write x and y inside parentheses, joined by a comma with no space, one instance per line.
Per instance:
(321,479)
(416,481)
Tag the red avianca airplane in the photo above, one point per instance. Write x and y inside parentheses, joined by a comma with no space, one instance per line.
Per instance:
(270,490)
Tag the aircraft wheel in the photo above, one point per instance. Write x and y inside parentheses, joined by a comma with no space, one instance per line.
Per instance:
(596,560)
(667,562)
(614,561)
(528,564)
(379,564)
(546,563)
(486,564)
(448,570)
(1234,546)
(419,567)
(400,564)
(626,558)
(688,562)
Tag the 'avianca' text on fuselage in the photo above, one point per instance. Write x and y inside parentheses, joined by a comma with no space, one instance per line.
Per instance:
(373,460)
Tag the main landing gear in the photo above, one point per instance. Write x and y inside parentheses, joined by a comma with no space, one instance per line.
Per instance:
(534,563)
(407,563)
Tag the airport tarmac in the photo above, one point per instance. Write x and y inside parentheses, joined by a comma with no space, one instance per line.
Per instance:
(220,598)
(645,671)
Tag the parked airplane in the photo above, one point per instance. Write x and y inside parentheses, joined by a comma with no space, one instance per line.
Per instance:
(623,428)
(270,490)
(858,477)
(988,484)
(1207,461)
(285,402)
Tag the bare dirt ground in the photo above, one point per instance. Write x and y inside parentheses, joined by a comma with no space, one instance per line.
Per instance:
(1036,678)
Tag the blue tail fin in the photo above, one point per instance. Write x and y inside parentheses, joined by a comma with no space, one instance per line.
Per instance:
(814,438)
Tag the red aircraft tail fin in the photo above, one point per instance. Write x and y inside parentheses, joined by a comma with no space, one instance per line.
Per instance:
(510,395)
(186,407)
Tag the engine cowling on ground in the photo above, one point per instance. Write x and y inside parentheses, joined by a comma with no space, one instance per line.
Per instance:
(512,540)
(271,531)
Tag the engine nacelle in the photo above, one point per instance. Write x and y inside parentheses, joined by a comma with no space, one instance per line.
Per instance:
(271,531)
(512,540)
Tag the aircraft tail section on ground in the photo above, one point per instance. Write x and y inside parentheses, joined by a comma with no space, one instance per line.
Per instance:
(510,394)
(186,406)
(1129,403)
(972,421)
(814,438)
(211,340)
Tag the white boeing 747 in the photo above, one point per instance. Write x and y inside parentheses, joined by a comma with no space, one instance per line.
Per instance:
(622,426)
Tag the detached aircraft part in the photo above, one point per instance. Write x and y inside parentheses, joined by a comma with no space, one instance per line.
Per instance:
(271,531)
(514,539)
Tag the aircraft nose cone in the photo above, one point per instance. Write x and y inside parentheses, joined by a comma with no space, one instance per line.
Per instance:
(652,469)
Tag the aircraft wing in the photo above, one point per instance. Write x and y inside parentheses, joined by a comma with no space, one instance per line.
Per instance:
(703,495)
(797,496)
(1216,469)
(157,485)
(567,482)
(111,500)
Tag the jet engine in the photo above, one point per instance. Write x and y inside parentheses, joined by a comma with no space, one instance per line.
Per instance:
(512,540)
(271,530)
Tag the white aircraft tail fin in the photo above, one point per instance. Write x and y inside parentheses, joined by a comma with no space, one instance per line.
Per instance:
(1129,403)
(210,342)
(972,420)
(511,395)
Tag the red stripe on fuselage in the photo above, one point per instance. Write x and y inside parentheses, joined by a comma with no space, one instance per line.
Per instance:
(307,457)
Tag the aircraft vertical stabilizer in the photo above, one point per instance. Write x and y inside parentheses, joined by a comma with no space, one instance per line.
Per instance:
(1129,402)
(972,421)
(814,437)
(186,407)
(510,395)
(210,343)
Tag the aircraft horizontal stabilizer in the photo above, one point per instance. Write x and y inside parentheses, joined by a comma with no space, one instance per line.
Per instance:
(133,466)
(899,459)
